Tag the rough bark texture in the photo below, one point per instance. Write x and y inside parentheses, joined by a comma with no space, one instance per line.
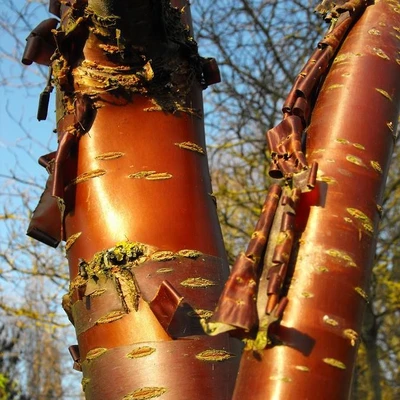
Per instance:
(131,186)
(312,351)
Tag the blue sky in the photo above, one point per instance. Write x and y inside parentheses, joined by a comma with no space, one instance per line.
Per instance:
(23,139)
(19,92)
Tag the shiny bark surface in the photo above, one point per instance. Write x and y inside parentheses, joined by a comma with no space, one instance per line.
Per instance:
(131,186)
(351,136)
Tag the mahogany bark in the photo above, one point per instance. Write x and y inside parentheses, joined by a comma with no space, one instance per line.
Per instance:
(131,186)
(311,352)
(130,182)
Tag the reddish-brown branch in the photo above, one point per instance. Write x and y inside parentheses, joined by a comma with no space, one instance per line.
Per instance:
(351,137)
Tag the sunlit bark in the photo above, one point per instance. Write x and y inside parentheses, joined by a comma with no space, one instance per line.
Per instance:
(312,351)
(131,184)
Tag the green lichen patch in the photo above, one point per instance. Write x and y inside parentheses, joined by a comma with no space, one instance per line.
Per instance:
(334,363)
(197,282)
(146,393)
(115,264)
(306,295)
(143,351)
(123,255)
(95,353)
(84,383)
(214,355)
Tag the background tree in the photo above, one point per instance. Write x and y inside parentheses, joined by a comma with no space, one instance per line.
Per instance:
(9,357)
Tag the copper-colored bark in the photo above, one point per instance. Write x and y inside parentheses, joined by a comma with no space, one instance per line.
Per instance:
(351,137)
(129,191)
(131,180)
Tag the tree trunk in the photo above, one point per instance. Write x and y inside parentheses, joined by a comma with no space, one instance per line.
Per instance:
(131,180)
(311,353)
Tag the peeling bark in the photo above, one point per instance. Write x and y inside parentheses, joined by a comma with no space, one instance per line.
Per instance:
(311,350)
(132,185)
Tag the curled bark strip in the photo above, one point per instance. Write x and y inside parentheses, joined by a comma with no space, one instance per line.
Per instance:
(165,304)
(211,72)
(40,44)
(74,352)
(66,142)
(236,308)
(284,142)
(55,7)
(302,109)
(45,224)
(306,85)
(84,111)
(333,9)
(237,305)
(285,139)
(276,260)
